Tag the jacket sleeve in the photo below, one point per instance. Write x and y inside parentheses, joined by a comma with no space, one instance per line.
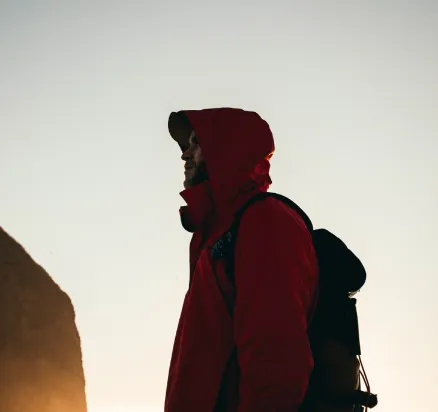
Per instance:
(276,278)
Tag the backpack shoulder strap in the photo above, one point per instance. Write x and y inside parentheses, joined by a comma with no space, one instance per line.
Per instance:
(225,245)
(264,195)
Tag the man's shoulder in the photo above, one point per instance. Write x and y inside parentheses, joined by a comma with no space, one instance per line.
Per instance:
(272,224)
(274,212)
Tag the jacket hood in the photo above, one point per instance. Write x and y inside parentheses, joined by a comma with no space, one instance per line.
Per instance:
(237,146)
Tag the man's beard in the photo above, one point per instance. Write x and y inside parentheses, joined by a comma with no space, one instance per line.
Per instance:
(199,175)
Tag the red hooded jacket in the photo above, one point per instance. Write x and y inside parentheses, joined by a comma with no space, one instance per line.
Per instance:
(275,279)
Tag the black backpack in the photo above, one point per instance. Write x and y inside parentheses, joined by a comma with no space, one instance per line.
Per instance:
(334,332)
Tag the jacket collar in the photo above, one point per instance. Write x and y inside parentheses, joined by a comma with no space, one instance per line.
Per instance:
(200,207)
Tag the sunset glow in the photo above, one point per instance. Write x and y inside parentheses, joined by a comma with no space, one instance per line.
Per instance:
(90,178)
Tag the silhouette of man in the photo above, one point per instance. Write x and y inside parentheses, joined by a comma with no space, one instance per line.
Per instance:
(257,358)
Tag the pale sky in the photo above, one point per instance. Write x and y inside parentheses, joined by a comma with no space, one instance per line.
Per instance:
(90,178)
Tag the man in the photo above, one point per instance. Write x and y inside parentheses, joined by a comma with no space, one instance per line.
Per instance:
(257,359)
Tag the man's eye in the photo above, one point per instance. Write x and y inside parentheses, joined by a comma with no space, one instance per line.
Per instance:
(195,140)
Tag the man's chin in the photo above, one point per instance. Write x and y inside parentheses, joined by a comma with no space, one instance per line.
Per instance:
(194,178)
(192,183)
(188,182)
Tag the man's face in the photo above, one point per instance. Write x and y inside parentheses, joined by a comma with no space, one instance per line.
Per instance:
(195,170)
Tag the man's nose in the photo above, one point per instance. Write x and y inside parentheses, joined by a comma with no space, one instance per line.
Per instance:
(187,154)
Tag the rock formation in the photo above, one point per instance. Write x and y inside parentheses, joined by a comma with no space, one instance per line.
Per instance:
(40,352)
